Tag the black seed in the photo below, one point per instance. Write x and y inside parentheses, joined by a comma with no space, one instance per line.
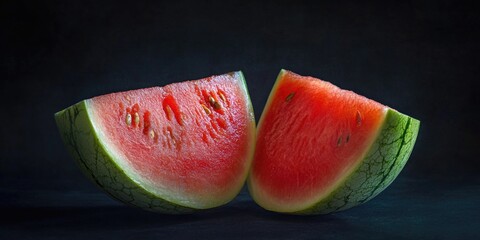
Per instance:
(358,118)
(289,97)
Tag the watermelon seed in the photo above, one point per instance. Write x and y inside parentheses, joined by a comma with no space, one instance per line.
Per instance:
(348,138)
(222,96)
(211,100)
(129,119)
(289,97)
(172,137)
(169,112)
(359,118)
(339,141)
(217,105)
(207,111)
(152,134)
(137,119)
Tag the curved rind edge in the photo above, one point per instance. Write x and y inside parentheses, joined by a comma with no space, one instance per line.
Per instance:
(252,134)
(249,183)
(248,99)
(277,83)
(83,144)
(383,162)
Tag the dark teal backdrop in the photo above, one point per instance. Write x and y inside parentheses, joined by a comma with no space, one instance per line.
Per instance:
(420,57)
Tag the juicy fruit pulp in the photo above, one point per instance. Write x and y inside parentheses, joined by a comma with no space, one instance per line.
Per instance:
(322,149)
(172,149)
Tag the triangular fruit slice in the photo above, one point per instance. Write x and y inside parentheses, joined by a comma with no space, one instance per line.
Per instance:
(172,149)
(322,149)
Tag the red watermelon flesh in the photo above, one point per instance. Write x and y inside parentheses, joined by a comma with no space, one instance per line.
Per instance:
(188,144)
(311,139)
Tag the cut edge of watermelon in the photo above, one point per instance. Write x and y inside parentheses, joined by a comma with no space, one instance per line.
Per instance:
(319,202)
(169,194)
(270,96)
(257,194)
(119,165)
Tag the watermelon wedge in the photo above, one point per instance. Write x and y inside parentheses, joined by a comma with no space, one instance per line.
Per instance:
(171,149)
(321,149)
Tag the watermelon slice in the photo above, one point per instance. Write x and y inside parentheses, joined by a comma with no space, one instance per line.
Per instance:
(321,149)
(172,149)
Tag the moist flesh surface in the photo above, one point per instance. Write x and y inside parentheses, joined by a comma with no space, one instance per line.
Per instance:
(311,133)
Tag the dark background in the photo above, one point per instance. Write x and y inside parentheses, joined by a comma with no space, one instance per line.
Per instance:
(419,57)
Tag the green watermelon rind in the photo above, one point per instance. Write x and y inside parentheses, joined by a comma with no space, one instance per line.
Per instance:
(382,163)
(97,163)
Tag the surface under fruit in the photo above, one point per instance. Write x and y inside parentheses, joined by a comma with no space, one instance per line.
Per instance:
(321,149)
(172,149)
